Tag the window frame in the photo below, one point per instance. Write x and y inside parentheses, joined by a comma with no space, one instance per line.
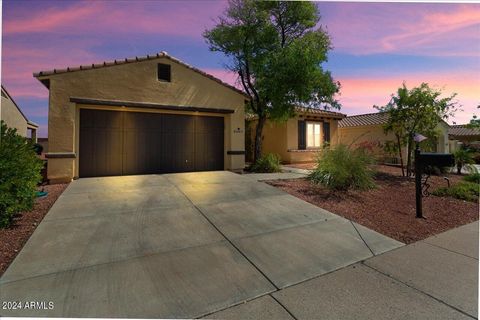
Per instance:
(319,123)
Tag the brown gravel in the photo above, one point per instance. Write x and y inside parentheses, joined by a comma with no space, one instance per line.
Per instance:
(390,208)
(13,238)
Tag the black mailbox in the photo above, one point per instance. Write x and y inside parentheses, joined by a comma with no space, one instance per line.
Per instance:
(436,159)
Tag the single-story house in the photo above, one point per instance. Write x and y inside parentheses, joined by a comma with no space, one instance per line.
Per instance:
(153,114)
(367,130)
(299,138)
(461,134)
(13,117)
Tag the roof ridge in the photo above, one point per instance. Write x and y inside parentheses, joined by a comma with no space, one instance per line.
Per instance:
(366,114)
(115,62)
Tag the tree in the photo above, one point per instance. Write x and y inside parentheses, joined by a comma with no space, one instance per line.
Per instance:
(418,110)
(277,50)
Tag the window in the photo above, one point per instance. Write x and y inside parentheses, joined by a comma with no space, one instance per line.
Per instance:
(313,135)
(164,72)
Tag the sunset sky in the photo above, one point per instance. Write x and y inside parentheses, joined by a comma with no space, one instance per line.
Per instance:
(377,46)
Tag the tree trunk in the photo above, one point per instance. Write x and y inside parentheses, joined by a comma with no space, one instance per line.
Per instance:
(459,168)
(400,154)
(409,157)
(258,138)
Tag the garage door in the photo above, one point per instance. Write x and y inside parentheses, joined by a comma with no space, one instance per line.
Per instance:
(123,143)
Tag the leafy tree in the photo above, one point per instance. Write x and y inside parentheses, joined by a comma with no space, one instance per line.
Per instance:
(474,122)
(417,110)
(276,49)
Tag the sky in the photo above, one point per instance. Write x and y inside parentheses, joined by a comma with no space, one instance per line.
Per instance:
(376,46)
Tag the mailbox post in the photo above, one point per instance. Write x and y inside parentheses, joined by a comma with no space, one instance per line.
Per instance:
(418,183)
(423,160)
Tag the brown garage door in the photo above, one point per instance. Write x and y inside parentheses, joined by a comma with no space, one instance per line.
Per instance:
(123,143)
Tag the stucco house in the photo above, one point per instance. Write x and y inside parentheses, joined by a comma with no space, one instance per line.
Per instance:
(367,129)
(13,116)
(299,138)
(460,134)
(153,114)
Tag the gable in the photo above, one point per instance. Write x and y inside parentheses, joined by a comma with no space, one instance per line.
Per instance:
(139,82)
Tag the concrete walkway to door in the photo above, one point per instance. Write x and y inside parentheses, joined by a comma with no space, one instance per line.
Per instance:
(177,246)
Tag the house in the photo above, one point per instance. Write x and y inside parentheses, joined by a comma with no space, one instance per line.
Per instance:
(367,130)
(13,116)
(153,114)
(461,134)
(299,138)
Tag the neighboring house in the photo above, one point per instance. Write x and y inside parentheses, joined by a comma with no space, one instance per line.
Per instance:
(13,116)
(367,130)
(299,138)
(461,134)
(153,114)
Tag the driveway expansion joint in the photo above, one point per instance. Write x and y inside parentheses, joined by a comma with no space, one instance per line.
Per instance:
(140,256)
(226,238)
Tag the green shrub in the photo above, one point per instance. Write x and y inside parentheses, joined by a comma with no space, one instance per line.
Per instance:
(342,168)
(269,162)
(473,177)
(463,158)
(19,174)
(463,190)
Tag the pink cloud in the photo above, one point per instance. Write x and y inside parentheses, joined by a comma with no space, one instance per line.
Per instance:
(405,28)
(107,17)
(51,19)
(359,94)
(20,61)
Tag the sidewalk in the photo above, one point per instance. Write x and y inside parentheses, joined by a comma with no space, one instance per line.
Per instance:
(436,278)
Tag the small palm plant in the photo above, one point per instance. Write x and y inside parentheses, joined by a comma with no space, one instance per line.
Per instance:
(463,158)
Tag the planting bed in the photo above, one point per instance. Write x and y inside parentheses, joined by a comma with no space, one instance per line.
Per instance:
(390,208)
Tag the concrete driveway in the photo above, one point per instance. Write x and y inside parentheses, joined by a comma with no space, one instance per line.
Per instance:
(176,246)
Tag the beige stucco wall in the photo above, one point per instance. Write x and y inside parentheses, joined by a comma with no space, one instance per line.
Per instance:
(12,116)
(136,82)
(282,138)
(376,134)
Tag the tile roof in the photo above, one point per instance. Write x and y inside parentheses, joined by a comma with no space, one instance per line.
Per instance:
(162,54)
(321,112)
(463,130)
(367,119)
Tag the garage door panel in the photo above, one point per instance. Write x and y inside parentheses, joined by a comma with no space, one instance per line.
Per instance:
(100,143)
(116,143)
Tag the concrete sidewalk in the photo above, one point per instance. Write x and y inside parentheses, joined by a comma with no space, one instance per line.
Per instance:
(432,279)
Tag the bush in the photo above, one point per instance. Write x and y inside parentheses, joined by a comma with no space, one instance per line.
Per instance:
(19,174)
(473,177)
(267,163)
(463,158)
(342,168)
(463,190)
